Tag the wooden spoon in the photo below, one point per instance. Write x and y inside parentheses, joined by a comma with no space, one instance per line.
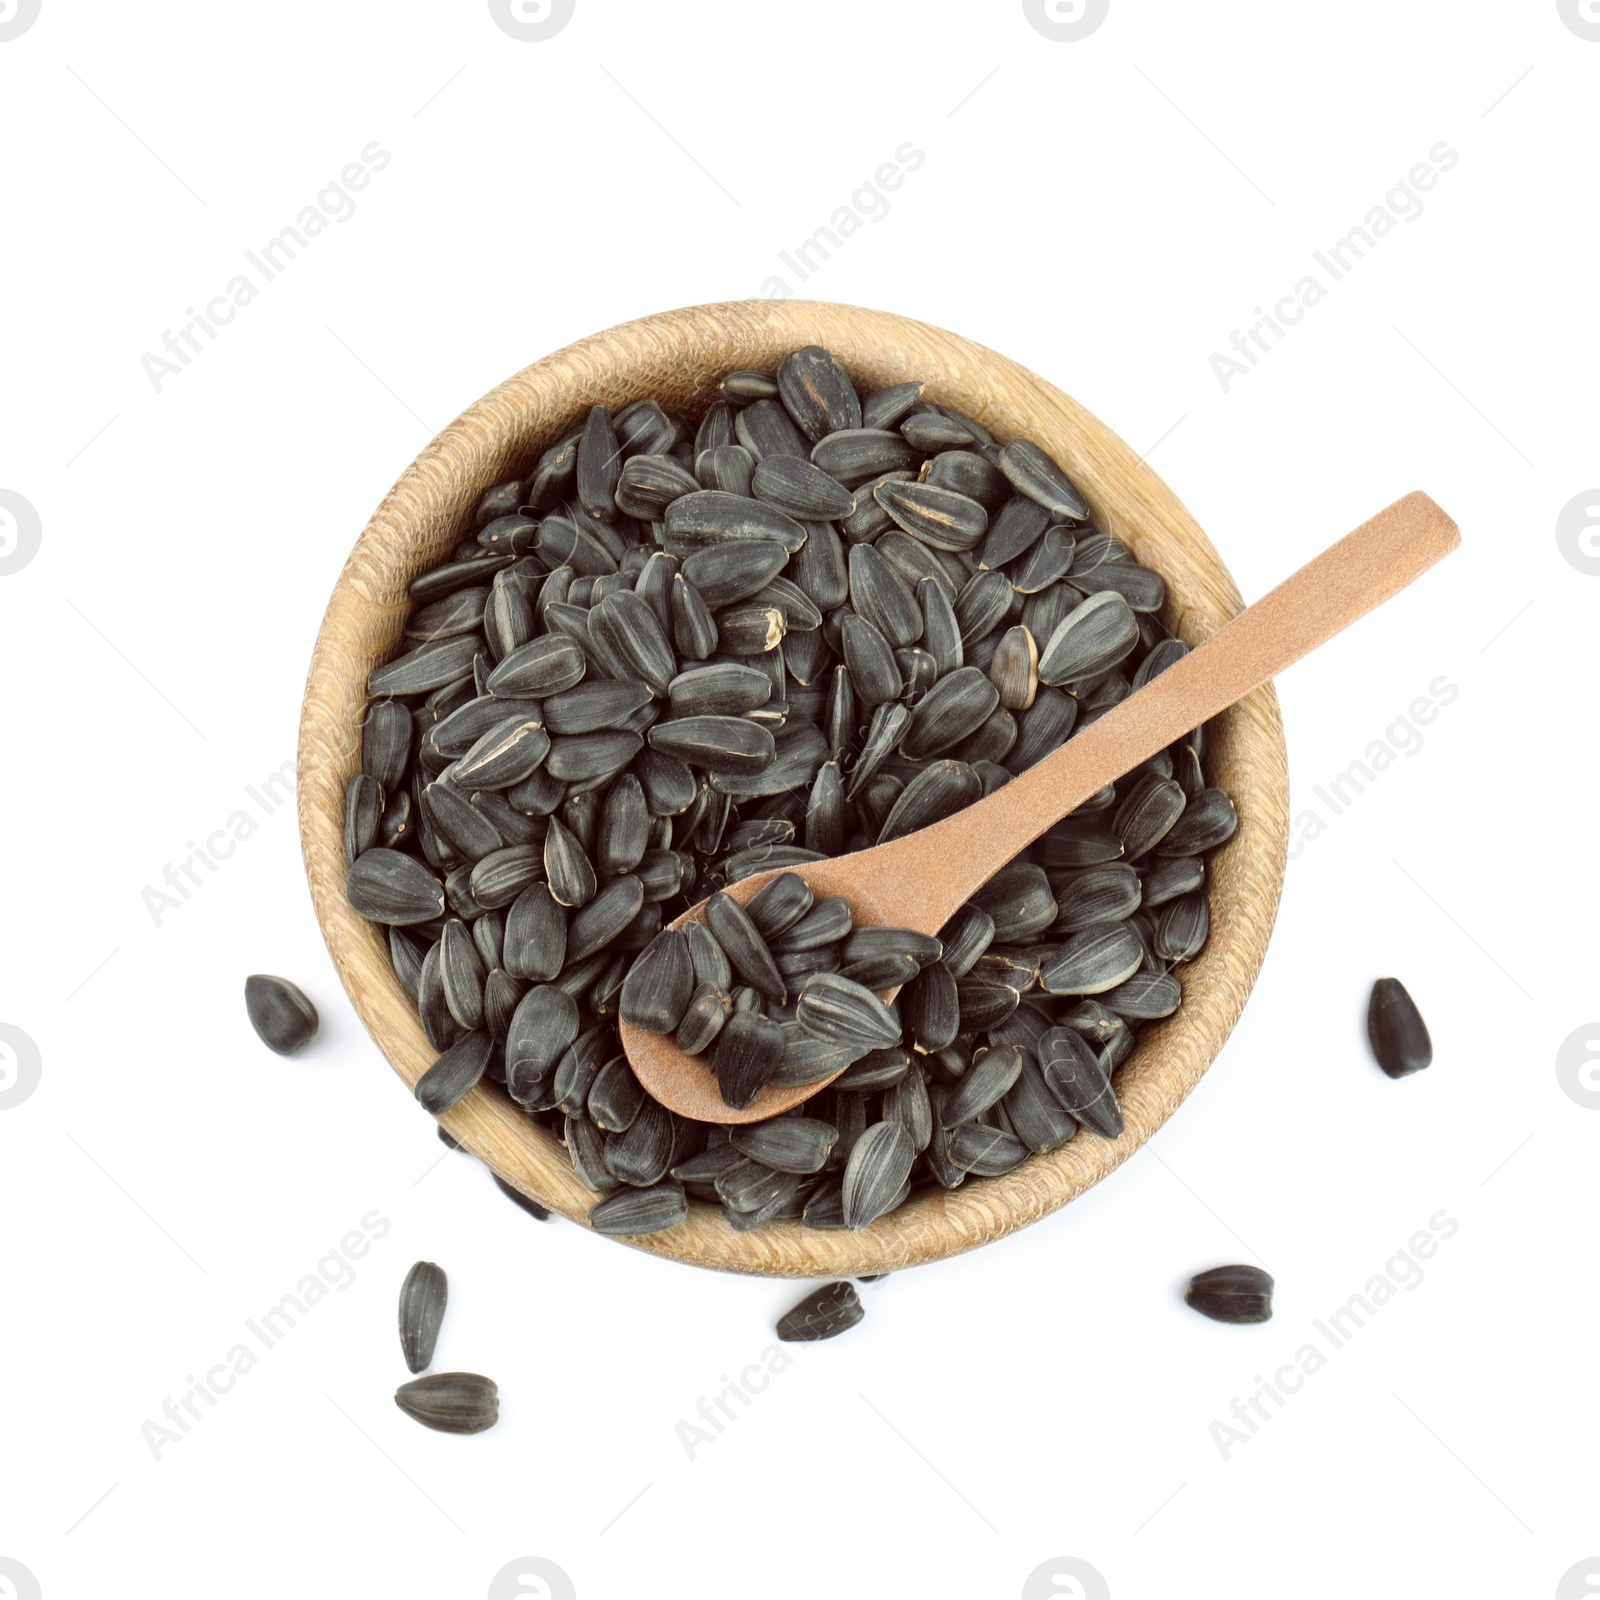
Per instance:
(919,880)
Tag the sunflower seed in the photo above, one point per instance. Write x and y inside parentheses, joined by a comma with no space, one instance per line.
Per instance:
(1145,995)
(715,743)
(990,1076)
(535,942)
(502,875)
(786,1144)
(1031,472)
(725,573)
(456,1071)
(567,867)
(596,923)
(835,1008)
(1091,640)
(648,484)
(363,815)
(965,937)
(879,972)
(461,974)
(1013,531)
(543,666)
(748,385)
(659,984)
(1106,893)
(870,940)
(745,1056)
(942,518)
(853,455)
(1208,820)
(709,1008)
(422,1302)
(451,1402)
(1232,1294)
(284,1020)
(1093,961)
(930,1009)
(982,604)
(710,516)
(731,925)
(1396,1031)
(779,904)
(1147,815)
(817,393)
(728,467)
(543,1027)
(1182,928)
(429,666)
(1014,669)
(389,887)
(879,1164)
(642,1152)
(1079,1081)
(386,744)
(888,408)
(800,489)
(956,706)
(750,629)
(985,1152)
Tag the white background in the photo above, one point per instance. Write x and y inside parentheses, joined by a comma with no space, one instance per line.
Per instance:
(1105,211)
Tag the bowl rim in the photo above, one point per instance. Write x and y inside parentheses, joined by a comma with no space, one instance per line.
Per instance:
(497,438)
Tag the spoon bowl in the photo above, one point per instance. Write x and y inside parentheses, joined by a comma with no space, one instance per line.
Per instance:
(678,356)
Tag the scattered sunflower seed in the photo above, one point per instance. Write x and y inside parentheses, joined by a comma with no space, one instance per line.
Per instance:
(284,1020)
(1232,1294)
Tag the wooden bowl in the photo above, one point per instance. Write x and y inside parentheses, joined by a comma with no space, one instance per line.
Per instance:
(677,357)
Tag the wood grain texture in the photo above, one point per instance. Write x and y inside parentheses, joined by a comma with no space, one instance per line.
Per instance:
(677,357)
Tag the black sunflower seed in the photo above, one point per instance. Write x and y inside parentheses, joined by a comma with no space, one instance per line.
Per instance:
(659,984)
(786,1144)
(534,946)
(284,1020)
(502,875)
(456,1071)
(853,455)
(779,904)
(841,1011)
(430,666)
(879,1163)
(1232,1294)
(363,815)
(461,975)
(543,666)
(710,516)
(888,408)
(746,1054)
(956,706)
(984,1151)
(648,484)
(817,393)
(642,1152)
(542,1028)
(518,1198)
(1208,820)
(709,1008)
(451,1402)
(567,867)
(990,1077)
(1091,640)
(599,465)
(597,922)
(942,518)
(394,888)
(1396,1031)
(1079,1081)
(1148,814)
(1093,961)
(736,570)
(715,743)
(731,925)
(1031,472)
(422,1303)
(800,489)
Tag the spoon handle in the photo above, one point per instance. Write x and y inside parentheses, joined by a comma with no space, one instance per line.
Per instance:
(923,877)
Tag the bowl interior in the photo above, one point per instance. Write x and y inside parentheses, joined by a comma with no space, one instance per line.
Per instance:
(677,357)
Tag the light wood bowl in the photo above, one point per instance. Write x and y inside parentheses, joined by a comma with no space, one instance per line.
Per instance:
(677,357)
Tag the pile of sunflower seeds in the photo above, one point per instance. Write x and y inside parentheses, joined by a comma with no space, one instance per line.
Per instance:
(675,654)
